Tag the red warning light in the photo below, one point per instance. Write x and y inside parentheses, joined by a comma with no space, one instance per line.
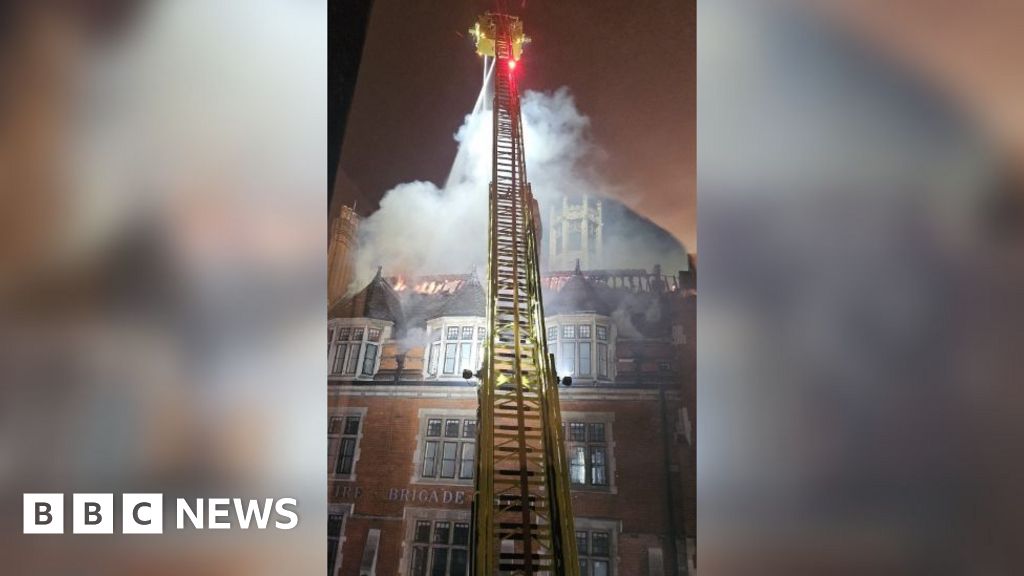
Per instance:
(511,64)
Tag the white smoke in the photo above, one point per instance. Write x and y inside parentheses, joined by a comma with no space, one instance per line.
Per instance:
(421,228)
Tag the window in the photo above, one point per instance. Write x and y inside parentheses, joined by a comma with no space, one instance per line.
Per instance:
(594,550)
(440,548)
(353,354)
(369,359)
(450,350)
(587,452)
(466,459)
(434,427)
(353,357)
(574,348)
(575,241)
(449,456)
(339,357)
(584,367)
(342,439)
(335,528)
(435,351)
(449,449)
(568,358)
(458,352)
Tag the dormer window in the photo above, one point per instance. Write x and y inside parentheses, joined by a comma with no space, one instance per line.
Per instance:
(456,344)
(356,345)
(581,345)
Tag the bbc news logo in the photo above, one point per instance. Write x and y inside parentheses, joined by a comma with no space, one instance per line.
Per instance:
(144,513)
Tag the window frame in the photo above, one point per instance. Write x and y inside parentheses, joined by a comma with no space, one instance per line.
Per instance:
(583,345)
(336,442)
(455,343)
(432,464)
(345,511)
(414,546)
(577,425)
(591,527)
(353,343)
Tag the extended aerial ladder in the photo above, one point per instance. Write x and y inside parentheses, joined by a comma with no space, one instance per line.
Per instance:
(522,516)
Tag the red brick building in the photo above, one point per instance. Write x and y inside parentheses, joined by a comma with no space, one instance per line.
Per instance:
(403,420)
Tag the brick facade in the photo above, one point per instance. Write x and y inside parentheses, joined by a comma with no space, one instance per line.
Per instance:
(398,478)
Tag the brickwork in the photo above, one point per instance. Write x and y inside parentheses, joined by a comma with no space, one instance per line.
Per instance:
(647,508)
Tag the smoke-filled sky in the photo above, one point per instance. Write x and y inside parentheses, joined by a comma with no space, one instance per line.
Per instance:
(630,67)
(425,228)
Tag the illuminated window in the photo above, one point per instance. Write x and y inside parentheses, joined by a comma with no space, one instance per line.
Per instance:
(584,364)
(587,451)
(581,349)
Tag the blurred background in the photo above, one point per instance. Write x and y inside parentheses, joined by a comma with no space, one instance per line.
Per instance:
(859,177)
(162,278)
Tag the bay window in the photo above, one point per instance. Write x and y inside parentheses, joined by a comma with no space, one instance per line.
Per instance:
(355,347)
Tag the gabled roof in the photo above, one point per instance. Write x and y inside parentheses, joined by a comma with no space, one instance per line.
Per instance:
(376,300)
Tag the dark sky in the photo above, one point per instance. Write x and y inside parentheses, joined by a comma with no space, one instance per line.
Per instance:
(631,66)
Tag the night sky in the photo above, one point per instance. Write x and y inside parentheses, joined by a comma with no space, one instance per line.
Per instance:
(630,65)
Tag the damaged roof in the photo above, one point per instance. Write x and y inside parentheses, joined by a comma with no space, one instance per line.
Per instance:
(376,300)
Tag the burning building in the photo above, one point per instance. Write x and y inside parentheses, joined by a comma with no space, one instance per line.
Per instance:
(402,422)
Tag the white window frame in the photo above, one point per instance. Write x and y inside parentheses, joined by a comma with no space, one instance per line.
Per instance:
(435,350)
(413,516)
(334,454)
(608,419)
(556,325)
(427,414)
(352,366)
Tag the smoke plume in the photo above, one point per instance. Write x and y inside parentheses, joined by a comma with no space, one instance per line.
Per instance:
(421,228)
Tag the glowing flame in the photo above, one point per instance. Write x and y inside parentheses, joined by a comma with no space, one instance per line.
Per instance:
(431,287)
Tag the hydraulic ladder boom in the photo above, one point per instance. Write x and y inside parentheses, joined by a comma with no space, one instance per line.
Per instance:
(522,515)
